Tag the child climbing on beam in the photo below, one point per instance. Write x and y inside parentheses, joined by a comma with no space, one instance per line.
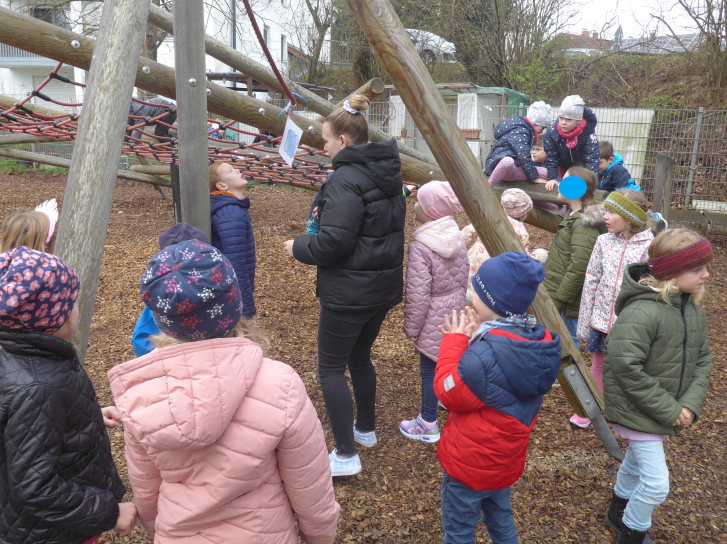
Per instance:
(571,140)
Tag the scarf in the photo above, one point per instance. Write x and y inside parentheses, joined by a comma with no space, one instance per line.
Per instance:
(571,138)
(518,324)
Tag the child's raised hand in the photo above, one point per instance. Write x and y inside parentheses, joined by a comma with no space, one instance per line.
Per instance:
(127,518)
(550,185)
(685,418)
(473,322)
(455,325)
(111,417)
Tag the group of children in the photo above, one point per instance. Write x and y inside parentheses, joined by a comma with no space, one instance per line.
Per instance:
(223,444)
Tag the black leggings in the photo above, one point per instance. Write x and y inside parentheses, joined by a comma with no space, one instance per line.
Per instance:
(344,340)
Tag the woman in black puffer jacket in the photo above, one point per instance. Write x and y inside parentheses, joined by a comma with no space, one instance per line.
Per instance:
(58,482)
(359,253)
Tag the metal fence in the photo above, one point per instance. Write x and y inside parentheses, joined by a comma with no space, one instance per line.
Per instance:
(695,139)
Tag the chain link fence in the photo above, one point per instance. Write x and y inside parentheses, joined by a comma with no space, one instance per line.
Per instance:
(695,139)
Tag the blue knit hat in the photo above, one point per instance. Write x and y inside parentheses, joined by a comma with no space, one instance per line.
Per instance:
(192,290)
(507,284)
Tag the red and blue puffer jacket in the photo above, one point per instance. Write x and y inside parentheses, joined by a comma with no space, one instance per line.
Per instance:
(493,391)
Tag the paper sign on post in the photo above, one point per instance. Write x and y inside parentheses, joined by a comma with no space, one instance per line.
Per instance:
(290,141)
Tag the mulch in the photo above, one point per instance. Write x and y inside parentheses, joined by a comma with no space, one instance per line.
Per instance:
(567,484)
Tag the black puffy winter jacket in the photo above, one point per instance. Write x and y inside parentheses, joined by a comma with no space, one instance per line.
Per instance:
(58,482)
(359,250)
(515,137)
(585,153)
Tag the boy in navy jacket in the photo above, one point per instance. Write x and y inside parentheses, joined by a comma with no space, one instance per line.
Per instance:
(611,172)
(495,364)
(232,228)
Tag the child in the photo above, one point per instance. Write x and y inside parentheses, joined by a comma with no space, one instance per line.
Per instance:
(571,141)
(34,229)
(538,154)
(222,444)
(517,204)
(232,228)
(493,385)
(510,158)
(627,241)
(565,270)
(57,475)
(436,280)
(656,371)
(145,327)
(611,172)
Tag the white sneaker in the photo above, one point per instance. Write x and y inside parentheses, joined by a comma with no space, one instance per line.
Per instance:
(344,466)
(368,440)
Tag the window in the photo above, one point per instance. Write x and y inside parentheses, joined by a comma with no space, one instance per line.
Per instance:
(266,34)
(283,48)
(55,16)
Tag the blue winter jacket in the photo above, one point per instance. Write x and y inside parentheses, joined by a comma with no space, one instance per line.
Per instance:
(145,328)
(515,138)
(615,177)
(232,235)
(585,153)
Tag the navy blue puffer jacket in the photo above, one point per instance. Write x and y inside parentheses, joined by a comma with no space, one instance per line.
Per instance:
(586,152)
(232,235)
(615,176)
(515,137)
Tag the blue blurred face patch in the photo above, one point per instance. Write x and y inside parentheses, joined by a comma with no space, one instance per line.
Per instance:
(572,187)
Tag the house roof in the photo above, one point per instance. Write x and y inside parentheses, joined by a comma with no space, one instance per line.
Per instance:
(578,41)
(661,45)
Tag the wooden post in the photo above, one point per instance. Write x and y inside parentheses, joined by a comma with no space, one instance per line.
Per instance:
(54,42)
(407,72)
(236,60)
(189,60)
(96,153)
(663,181)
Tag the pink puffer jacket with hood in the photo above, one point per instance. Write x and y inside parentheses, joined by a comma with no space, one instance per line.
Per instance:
(604,276)
(224,446)
(436,282)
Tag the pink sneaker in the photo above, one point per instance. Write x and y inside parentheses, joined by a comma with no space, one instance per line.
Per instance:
(418,429)
(579,421)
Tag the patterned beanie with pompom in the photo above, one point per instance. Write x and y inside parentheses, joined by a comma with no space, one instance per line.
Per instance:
(517,203)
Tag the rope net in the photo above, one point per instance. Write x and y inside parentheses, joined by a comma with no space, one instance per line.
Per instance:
(307,170)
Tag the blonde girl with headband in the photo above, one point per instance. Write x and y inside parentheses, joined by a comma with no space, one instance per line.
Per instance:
(627,241)
(359,252)
(35,229)
(656,370)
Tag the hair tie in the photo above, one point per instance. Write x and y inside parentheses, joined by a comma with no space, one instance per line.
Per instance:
(683,260)
(347,106)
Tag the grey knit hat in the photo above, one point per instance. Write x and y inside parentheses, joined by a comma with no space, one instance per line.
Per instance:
(539,113)
(572,107)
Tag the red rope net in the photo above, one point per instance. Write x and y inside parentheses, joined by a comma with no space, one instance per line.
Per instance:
(307,170)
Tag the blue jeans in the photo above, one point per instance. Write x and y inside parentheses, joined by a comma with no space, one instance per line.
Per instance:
(462,507)
(429,398)
(643,479)
(571,323)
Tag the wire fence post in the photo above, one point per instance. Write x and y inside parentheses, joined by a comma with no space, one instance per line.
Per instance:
(521,107)
(695,149)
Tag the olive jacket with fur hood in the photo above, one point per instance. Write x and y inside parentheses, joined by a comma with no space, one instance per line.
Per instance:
(565,269)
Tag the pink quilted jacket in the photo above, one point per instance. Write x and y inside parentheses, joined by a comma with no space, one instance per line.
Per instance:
(436,282)
(224,446)
(604,275)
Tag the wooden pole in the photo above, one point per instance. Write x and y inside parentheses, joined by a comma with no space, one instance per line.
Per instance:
(65,163)
(54,42)
(12,139)
(407,72)
(663,182)
(191,84)
(94,165)
(236,60)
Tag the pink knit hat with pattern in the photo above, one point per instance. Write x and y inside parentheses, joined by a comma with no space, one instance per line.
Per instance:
(438,200)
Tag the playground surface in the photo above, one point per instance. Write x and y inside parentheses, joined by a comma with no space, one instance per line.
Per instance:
(565,490)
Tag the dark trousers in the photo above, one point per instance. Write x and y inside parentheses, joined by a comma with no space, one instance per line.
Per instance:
(427,368)
(344,340)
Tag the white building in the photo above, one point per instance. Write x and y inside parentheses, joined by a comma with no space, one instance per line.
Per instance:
(285,24)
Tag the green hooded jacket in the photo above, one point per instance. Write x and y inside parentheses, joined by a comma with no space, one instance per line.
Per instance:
(657,358)
(565,269)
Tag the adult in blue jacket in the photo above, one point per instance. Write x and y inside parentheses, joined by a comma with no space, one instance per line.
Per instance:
(232,228)
(572,140)
(611,172)
(145,326)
